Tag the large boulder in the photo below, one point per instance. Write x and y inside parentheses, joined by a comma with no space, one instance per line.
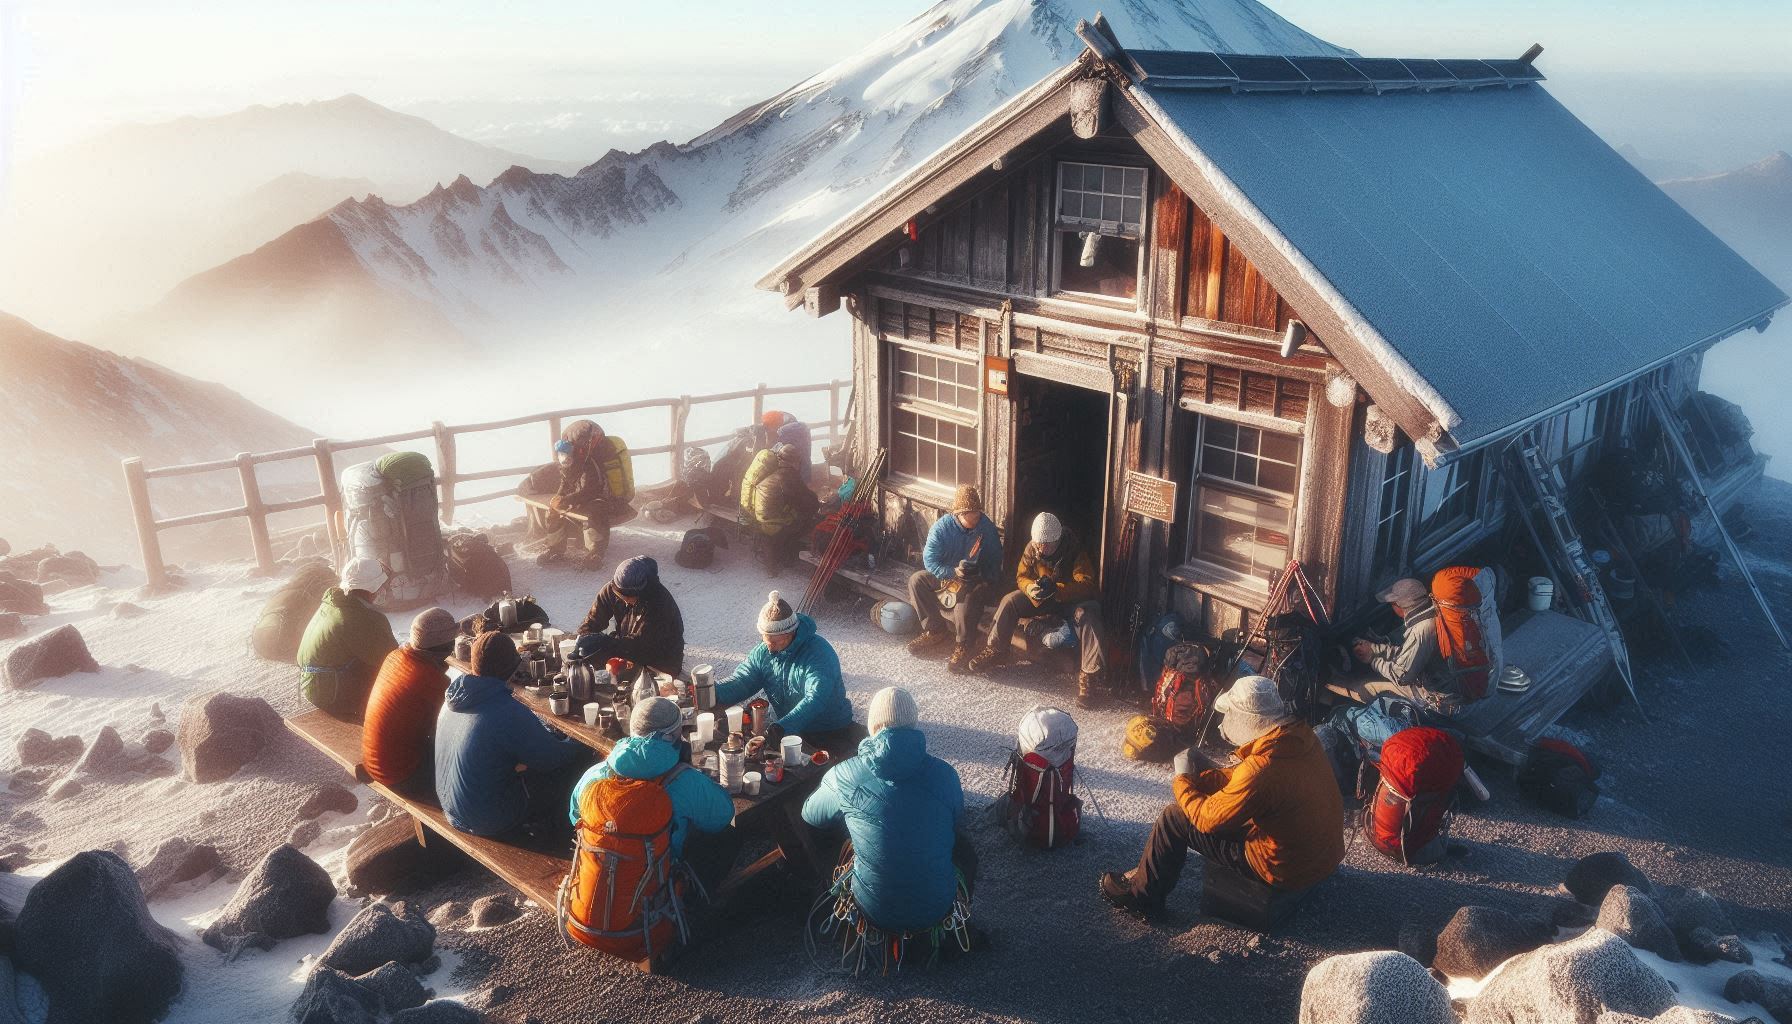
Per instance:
(1572,982)
(37,747)
(157,740)
(1478,939)
(221,732)
(1592,876)
(1674,1015)
(12,624)
(47,656)
(396,985)
(1688,910)
(1632,916)
(1704,946)
(104,755)
(286,895)
(497,909)
(332,997)
(1373,988)
(21,597)
(440,1011)
(71,570)
(86,935)
(380,933)
(1751,986)
(175,861)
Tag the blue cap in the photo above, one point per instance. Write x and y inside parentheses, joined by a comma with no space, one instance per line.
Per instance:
(636,574)
(562,447)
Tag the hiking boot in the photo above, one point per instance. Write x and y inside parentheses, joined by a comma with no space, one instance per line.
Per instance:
(960,660)
(1088,696)
(990,658)
(550,557)
(1117,889)
(928,642)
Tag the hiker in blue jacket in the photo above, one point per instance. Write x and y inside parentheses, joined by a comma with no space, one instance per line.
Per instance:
(912,871)
(963,560)
(800,674)
(703,835)
(498,768)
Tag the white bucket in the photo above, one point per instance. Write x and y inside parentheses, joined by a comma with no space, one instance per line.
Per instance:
(1543,592)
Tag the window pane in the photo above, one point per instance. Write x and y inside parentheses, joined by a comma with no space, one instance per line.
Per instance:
(1111,208)
(1222,433)
(1072,205)
(1113,179)
(1112,269)
(1276,477)
(1135,181)
(1134,212)
(1219,462)
(1282,447)
(1073,176)
(967,468)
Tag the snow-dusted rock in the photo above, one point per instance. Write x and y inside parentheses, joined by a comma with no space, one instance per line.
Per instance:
(496,909)
(73,570)
(221,732)
(157,740)
(304,834)
(1373,988)
(1593,875)
(1478,939)
(396,985)
(104,755)
(12,624)
(1572,982)
(21,596)
(1674,1015)
(36,747)
(329,797)
(380,933)
(28,782)
(1687,910)
(1704,946)
(65,789)
(1418,939)
(439,1011)
(126,610)
(86,935)
(285,895)
(1632,916)
(175,861)
(1751,986)
(332,997)
(56,653)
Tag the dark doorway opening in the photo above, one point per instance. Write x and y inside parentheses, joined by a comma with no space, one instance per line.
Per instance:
(1060,460)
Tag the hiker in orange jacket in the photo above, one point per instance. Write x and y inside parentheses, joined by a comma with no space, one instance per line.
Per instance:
(397,742)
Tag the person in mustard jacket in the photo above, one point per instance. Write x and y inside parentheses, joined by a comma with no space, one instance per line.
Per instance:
(1276,815)
(1055,577)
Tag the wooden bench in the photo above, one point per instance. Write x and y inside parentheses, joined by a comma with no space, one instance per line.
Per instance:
(1245,900)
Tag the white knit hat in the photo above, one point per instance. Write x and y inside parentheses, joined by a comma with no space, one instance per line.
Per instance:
(892,707)
(1047,529)
(777,616)
(363,573)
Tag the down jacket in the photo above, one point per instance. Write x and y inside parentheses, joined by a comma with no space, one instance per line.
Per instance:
(341,651)
(482,737)
(1282,795)
(698,802)
(949,543)
(1068,567)
(401,714)
(901,807)
(780,499)
(802,682)
(651,632)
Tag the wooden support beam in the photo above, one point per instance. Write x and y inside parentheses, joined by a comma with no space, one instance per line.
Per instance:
(326,482)
(446,469)
(821,300)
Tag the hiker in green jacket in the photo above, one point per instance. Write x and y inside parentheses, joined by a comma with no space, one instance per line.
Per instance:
(347,641)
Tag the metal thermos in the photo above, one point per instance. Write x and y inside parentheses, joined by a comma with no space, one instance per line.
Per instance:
(559,701)
(759,712)
(733,771)
(703,686)
(507,613)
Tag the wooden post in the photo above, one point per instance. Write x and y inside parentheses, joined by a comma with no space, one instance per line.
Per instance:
(445,458)
(553,432)
(681,413)
(258,516)
(759,404)
(326,484)
(834,413)
(148,541)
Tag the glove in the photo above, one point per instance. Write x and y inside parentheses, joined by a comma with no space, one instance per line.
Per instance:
(556,503)
(965,569)
(1039,591)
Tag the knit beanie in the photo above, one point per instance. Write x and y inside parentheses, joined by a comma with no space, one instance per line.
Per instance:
(1047,529)
(968,498)
(636,574)
(655,716)
(777,616)
(433,629)
(494,656)
(892,707)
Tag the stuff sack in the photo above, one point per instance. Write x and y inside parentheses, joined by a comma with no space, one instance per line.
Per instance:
(619,469)
(1409,815)
(855,520)
(1560,777)
(527,612)
(1468,627)
(761,467)
(621,896)
(475,568)
(391,514)
(1150,738)
(1186,688)
(1164,634)
(697,550)
(1042,807)
(283,619)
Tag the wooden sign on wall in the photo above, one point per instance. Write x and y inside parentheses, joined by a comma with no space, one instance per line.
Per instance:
(1150,496)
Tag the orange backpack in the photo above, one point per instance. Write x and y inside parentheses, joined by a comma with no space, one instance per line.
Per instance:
(1460,638)
(621,897)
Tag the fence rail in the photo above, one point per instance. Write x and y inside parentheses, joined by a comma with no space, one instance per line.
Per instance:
(323,452)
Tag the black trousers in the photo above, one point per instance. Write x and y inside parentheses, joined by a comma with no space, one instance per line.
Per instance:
(1166,851)
(924,594)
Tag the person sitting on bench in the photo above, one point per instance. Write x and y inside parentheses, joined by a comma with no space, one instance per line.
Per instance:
(397,743)
(800,675)
(649,627)
(346,642)
(1055,577)
(703,833)
(499,770)
(778,505)
(1413,668)
(597,481)
(962,559)
(912,872)
(1276,815)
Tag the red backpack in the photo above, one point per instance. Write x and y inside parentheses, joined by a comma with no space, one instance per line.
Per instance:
(1420,768)
(1186,689)
(1043,809)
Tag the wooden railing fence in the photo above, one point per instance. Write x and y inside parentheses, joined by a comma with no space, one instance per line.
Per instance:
(449,477)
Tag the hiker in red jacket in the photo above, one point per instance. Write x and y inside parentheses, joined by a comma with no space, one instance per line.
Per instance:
(397,741)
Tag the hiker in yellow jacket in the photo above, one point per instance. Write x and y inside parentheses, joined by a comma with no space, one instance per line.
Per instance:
(1056,577)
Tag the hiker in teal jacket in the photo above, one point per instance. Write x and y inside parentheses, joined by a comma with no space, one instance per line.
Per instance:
(346,642)
(800,674)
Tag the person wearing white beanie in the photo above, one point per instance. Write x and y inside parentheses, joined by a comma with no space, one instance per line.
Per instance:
(1274,816)
(1055,578)
(346,642)
(894,707)
(799,673)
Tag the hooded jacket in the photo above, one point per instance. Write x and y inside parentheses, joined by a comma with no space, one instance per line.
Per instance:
(1415,660)
(698,802)
(780,499)
(949,543)
(802,681)
(901,807)
(482,736)
(649,633)
(341,651)
(1068,567)
(401,714)
(1283,796)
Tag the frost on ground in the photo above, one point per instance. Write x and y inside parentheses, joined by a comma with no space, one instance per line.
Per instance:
(1696,795)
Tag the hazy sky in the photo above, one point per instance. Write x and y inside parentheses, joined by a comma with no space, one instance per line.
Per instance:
(71,67)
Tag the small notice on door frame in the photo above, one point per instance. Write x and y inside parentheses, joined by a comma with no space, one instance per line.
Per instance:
(1150,496)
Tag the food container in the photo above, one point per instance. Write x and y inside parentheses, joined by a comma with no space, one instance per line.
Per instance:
(773,771)
(733,770)
(749,783)
(706,727)
(736,718)
(760,711)
(559,701)
(790,749)
(703,686)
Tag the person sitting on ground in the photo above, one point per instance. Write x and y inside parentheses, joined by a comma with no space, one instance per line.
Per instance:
(912,871)
(780,506)
(397,743)
(1055,577)
(597,482)
(499,770)
(963,557)
(703,833)
(346,642)
(1412,668)
(1276,815)
(799,673)
(649,629)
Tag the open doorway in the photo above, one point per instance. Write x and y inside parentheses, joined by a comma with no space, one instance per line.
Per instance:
(1060,459)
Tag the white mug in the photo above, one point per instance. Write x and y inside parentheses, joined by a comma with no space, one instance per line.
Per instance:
(750,783)
(591,710)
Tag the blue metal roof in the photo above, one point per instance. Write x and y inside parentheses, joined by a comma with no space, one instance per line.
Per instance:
(1505,252)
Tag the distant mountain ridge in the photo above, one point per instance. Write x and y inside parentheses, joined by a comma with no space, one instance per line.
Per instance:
(1750,208)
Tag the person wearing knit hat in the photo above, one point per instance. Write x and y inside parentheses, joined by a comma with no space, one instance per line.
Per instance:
(397,740)
(498,768)
(799,673)
(637,618)
(1055,579)
(902,808)
(346,642)
(962,561)
(1272,816)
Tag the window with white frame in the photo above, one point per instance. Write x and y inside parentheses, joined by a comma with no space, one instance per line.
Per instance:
(1099,221)
(1243,497)
(934,401)
(1448,498)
